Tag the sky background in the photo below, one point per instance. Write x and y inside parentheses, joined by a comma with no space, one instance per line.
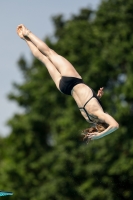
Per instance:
(36,16)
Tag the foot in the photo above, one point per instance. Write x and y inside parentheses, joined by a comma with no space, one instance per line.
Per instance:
(19,32)
(22,31)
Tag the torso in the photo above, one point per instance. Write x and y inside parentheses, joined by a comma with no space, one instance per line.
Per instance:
(82,93)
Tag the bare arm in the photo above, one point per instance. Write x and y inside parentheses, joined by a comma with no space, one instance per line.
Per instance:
(113,126)
(107,131)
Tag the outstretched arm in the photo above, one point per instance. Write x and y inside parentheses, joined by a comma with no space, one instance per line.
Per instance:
(107,131)
(113,126)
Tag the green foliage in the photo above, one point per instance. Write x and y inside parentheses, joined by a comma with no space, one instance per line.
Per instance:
(44,156)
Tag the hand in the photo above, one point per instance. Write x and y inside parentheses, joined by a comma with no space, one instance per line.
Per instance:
(95,136)
(90,136)
(100,92)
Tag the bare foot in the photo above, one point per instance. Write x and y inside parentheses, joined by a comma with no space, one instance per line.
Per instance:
(19,32)
(23,31)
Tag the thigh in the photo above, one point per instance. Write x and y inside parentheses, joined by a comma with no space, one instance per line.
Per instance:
(63,65)
(54,73)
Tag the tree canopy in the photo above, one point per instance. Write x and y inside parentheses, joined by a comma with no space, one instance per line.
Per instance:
(44,157)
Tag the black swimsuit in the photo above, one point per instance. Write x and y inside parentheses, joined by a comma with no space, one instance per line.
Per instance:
(66,85)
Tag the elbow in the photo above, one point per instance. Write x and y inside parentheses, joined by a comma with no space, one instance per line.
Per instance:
(115,126)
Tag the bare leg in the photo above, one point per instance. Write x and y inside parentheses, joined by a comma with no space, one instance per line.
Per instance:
(55,75)
(63,66)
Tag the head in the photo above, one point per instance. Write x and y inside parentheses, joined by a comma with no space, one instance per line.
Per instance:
(97,128)
(101,127)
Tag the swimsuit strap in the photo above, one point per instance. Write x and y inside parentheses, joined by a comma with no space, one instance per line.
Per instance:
(87,114)
(88,101)
(83,108)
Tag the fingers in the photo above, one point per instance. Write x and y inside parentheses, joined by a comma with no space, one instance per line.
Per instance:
(101,89)
(100,92)
(89,137)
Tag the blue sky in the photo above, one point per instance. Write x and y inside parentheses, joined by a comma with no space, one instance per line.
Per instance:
(36,15)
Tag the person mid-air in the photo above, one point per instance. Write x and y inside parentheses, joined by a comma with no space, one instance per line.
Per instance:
(69,82)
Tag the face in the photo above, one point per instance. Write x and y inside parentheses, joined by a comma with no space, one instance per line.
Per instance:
(101,127)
